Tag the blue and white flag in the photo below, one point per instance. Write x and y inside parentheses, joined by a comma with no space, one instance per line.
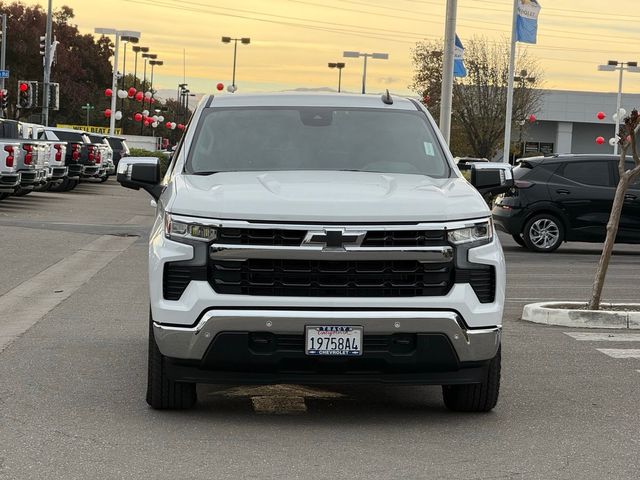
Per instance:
(527,21)
(459,69)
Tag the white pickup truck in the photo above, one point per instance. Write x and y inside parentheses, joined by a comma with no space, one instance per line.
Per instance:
(10,153)
(321,239)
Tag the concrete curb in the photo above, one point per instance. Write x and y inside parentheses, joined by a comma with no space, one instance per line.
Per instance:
(556,313)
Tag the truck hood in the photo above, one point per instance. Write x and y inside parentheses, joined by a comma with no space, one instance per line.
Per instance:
(324,197)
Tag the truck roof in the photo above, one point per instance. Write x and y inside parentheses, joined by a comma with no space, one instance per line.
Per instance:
(302,99)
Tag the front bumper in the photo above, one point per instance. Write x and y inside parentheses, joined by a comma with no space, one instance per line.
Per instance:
(241,345)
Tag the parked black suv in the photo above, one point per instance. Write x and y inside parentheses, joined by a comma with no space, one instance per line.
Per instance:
(566,198)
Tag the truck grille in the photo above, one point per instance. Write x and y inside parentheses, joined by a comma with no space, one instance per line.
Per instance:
(482,280)
(320,278)
(405,238)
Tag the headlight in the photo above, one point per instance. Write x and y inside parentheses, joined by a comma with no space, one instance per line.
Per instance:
(176,229)
(480,232)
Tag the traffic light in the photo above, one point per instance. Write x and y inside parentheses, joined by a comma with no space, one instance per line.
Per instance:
(43,45)
(4,99)
(27,93)
(54,96)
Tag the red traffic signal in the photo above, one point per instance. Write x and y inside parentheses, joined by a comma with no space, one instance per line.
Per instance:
(24,87)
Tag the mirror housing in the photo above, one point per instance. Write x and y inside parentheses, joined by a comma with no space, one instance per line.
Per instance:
(489,177)
(140,172)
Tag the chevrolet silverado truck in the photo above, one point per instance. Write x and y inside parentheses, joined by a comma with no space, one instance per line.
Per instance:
(9,175)
(320,239)
(54,154)
(32,164)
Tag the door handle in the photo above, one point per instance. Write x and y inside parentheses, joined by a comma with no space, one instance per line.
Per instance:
(562,191)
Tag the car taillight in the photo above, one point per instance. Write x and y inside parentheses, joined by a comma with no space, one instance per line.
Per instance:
(75,152)
(9,160)
(28,158)
(91,156)
(98,156)
(523,184)
(58,148)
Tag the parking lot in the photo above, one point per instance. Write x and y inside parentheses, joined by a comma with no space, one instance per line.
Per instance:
(73,375)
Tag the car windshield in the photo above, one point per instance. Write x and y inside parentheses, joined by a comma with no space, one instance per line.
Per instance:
(309,138)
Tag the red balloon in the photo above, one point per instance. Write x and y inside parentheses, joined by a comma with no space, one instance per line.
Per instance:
(153,100)
(137,117)
(168,124)
(139,96)
(108,92)
(146,123)
(107,112)
(601,116)
(426,99)
(131,92)
(532,118)
(600,140)
(220,86)
(180,126)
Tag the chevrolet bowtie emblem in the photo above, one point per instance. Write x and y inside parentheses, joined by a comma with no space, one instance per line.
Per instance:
(333,239)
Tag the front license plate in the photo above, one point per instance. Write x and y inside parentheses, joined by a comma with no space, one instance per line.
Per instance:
(336,340)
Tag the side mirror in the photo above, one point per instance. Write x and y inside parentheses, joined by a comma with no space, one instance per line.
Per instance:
(140,172)
(490,177)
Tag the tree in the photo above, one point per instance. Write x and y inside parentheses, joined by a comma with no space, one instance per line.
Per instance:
(629,173)
(82,66)
(479,99)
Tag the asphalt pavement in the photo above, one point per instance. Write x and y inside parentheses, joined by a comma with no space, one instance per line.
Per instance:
(73,375)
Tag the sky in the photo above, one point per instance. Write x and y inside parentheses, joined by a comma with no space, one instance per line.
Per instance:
(293,40)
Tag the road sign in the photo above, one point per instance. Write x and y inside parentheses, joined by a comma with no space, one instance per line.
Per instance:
(4,73)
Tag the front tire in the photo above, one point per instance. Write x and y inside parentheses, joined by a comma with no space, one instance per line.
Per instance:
(163,393)
(518,239)
(543,233)
(481,397)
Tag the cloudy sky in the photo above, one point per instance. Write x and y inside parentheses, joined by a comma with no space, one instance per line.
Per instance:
(292,40)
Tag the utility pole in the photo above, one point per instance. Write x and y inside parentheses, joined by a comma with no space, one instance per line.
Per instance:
(47,66)
(446,93)
(3,54)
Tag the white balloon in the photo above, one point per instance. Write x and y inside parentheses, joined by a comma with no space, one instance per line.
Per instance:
(148,95)
(173,125)
(118,115)
(154,124)
(145,113)
(612,141)
(161,118)
(122,94)
(232,88)
(155,118)
(614,117)
(622,112)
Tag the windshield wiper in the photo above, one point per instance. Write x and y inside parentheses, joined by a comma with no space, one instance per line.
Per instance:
(206,172)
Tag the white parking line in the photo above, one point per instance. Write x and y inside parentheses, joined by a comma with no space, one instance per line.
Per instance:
(621,352)
(27,303)
(604,337)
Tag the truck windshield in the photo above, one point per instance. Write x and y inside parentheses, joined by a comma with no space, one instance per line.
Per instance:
(310,138)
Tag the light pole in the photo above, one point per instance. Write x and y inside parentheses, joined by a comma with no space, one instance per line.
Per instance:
(154,63)
(137,50)
(446,91)
(245,41)
(377,56)
(522,80)
(339,66)
(146,56)
(114,80)
(611,66)
(88,107)
(126,40)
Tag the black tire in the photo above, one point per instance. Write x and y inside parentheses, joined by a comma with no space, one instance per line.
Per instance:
(555,227)
(59,187)
(4,195)
(104,179)
(162,393)
(42,187)
(21,192)
(71,185)
(518,239)
(481,397)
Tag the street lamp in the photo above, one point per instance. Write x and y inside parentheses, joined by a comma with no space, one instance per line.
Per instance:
(245,41)
(377,56)
(153,64)
(339,66)
(114,80)
(611,66)
(126,40)
(137,50)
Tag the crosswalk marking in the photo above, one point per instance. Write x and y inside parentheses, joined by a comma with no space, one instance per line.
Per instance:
(604,337)
(621,352)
